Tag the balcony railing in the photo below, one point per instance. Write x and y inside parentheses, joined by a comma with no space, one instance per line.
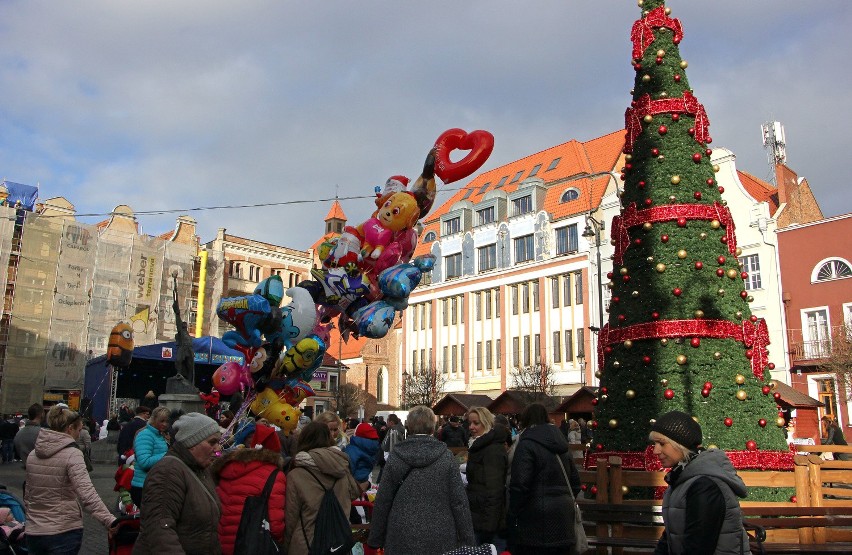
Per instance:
(840,341)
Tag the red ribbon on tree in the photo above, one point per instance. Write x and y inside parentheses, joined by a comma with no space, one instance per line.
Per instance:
(687,104)
(742,460)
(632,217)
(642,33)
(753,335)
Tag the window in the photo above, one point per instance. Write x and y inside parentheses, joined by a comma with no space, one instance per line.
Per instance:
(479,356)
(816,335)
(484,188)
(516,351)
(424,364)
(554,291)
(462,359)
(566,290)
(522,205)
(499,354)
(524,249)
(485,216)
(833,269)
(517,176)
(452,225)
(333,381)
(566,239)
(488,304)
(453,265)
(525,298)
(477,306)
(487,257)
(414,366)
(557,347)
(454,358)
(569,195)
(429,237)
(578,288)
(537,348)
(534,171)
(446,363)
(445,305)
(414,318)
(488,360)
(423,320)
(454,310)
(514,299)
(553,164)
(502,182)
(751,264)
(526,351)
(380,386)
(581,343)
(535,295)
(236,270)
(461,305)
(828,397)
(496,303)
(569,346)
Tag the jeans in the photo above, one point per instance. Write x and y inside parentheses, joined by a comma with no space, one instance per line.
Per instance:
(66,543)
(8,448)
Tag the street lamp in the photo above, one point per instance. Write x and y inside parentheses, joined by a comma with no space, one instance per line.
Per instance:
(404,384)
(588,233)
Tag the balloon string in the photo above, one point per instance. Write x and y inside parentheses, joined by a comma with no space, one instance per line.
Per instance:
(229,431)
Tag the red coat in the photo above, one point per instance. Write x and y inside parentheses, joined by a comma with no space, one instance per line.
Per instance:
(242,473)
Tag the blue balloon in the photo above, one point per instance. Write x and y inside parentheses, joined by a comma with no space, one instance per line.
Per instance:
(374,320)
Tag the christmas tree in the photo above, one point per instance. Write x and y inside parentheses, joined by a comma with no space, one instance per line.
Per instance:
(681,335)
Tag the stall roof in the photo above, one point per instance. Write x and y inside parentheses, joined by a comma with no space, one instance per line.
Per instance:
(457,404)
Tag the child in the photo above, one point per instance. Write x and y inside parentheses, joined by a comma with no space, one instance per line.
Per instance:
(123,477)
(12,529)
(362,450)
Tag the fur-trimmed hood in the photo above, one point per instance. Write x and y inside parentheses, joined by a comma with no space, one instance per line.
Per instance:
(238,462)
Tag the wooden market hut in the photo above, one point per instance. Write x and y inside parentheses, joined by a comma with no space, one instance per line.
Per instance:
(512,402)
(457,404)
(578,405)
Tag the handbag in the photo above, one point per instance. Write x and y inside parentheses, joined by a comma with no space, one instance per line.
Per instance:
(581,545)
(254,536)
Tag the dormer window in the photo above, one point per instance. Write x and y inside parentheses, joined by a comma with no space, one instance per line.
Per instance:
(429,237)
(485,216)
(569,195)
(517,176)
(452,226)
(522,205)
(553,164)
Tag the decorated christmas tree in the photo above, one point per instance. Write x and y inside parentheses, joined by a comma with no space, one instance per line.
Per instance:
(681,335)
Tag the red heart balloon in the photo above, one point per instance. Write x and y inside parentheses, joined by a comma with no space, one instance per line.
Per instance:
(480,144)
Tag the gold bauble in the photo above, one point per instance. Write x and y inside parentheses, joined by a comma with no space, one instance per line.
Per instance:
(660,267)
(702,236)
(604,397)
(649,259)
(716,168)
(628,343)
(623,270)
(634,294)
(724,202)
(625,490)
(732,273)
(738,314)
(698,313)
(779,422)
(646,78)
(681,359)
(640,3)
(630,394)
(648,119)
(681,254)
(675,179)
(628,157)
(668,11)
(712,446)
(613,423)
(664,382)
(661,158)
(742,395)
(664,341)
(739,251)
(750,299)
(683,64)
(598,374)
(663,94)
(672,198)
(740,379)
(610,285)
(616,364)
(612,242)
(715,224)
(661,53)
(717,355)
(721,292)
(647,226)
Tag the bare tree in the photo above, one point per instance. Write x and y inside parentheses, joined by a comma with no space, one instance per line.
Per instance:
(423,386)
(536,383)
(840,361)
(348,398)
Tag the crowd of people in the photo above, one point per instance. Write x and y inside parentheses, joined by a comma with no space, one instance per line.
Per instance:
(512,489)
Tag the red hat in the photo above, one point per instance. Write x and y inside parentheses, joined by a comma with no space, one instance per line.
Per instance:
(366,431)
(265,437)
(396,183)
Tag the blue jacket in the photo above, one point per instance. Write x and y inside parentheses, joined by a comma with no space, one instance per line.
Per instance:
(149,446)
(362,456)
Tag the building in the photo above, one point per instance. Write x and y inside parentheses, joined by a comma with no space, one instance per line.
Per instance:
(816,275)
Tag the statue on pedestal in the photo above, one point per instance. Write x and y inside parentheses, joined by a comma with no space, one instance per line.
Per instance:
(184,381)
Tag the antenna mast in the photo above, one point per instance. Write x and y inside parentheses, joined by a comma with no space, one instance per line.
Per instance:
(775,144)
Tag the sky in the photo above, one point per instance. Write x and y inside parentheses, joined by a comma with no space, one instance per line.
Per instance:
(173,106)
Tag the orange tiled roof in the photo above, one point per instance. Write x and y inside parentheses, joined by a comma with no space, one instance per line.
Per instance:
(336,212)
(760,190)
(322,239)
(347,350)
(575,158)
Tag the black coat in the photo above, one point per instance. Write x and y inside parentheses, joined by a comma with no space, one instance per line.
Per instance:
(454,436)
(486,480)
(541,509)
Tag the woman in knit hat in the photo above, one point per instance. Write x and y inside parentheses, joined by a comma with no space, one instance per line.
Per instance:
(243,472)
(701,507)
(180,508)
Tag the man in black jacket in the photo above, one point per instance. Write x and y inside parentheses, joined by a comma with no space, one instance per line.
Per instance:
(453,434)
(128,431)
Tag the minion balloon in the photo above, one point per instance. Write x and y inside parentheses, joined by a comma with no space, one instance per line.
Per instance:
(120,349)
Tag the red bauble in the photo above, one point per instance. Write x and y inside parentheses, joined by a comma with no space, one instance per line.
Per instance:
(646,360)
(622,317)
(669,394)
(699,265)
(749,353)
(609,275)
(594,490)
(744,275)
(625,278)
(695,342)
(729,422)
(710,182)
(708,152)
(659,60)
(676,40)
(708,385)
(723,240)
(655,315)
(675,117)
(765,389)
(593,424)
(776,396)
(599,447)
(677,80)
(771,366)
(637,241)
(616,300)
(761,423)
(793,499)
(753,318)
(696,158)
(641,184)
(664,238)
(677,291)
(637,66)
(584,487)
(594,402)
(681,222)
(721,260)
(751,445)
(655,152)
(705,392)
(628,166)
(622,177)
(648,202)
(607,350)
(603,391)
(663,130)
(691,131)
(744,294)
(721,189)
(720,272)
(697,195)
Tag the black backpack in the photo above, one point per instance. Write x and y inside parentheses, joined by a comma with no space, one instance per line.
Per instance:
(332,530)
(254,536)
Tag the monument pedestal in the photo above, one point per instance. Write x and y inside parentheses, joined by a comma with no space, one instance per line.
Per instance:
(186,402)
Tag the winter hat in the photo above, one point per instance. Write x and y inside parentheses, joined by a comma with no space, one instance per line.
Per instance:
(366,431)
(265,437)
(680,427)
(396,183)
(193,428)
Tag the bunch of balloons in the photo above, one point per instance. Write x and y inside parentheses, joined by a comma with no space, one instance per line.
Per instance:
(366,277)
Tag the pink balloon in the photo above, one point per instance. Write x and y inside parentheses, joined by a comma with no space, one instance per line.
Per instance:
(230,378)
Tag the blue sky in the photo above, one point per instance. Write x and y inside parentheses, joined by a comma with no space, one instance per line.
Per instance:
(168,105)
